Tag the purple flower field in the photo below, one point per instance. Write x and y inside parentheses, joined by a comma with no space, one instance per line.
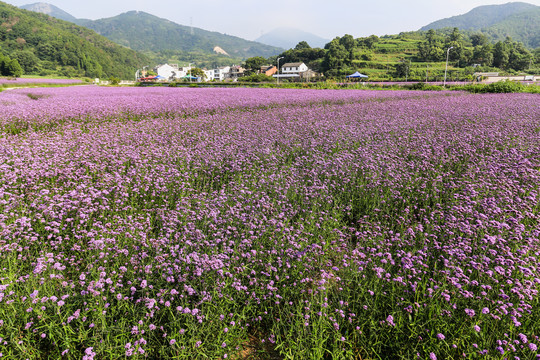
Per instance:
(169,223)
(30,81)
(21,110)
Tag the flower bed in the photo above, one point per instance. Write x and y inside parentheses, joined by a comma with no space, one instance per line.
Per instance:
(226,223)
(40,81)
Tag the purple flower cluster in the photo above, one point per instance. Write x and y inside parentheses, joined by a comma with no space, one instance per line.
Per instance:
(170,214)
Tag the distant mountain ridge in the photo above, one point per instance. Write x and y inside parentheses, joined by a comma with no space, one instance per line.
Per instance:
(289,37)
(50,10)
(481,17)
(148,33)
(519,20)
(158,34)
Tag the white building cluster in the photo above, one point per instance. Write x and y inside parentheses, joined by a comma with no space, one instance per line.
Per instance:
(172,72)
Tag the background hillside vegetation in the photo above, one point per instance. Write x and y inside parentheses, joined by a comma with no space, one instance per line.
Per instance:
(43,45)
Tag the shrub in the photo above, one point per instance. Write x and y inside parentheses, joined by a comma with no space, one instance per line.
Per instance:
(114,80)
(499,87)
(504,87)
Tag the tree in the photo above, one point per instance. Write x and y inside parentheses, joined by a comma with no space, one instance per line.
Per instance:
(114,80)
(27,60)
(93,69)
(455,41)
(536,55)
(501,53)
(403,68)
(336,57)
(479,39)
(483,55)
(302,45)
(198,72)
(10,67)
(431,37)
(368,42)
(519,57)
(431,49)
(348,42)
(253,64)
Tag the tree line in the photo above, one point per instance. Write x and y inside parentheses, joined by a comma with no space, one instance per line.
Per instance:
(346,54)
(506,55)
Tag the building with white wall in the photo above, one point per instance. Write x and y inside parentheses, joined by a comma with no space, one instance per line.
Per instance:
(221,73)
(172,71)
(294,68)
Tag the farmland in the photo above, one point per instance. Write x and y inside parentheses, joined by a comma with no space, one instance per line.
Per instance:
(268,223)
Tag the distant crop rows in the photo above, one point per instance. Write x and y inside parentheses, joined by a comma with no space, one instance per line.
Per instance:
(267,223)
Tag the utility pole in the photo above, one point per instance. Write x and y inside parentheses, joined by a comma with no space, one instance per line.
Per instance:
(279,58)
(446,68)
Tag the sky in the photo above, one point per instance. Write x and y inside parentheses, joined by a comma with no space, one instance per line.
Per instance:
(249,19)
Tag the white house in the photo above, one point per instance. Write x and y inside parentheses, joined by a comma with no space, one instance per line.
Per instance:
(209,75)
(221,73)
(294,68)
(183,71)
(167,71)
(172,72)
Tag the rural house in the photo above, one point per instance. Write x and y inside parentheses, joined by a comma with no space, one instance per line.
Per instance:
(294,68)
(171,72)
(294,71)
(235,72)
(220,74)
(268,70)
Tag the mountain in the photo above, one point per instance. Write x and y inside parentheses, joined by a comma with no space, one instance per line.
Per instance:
(519,20)
(61,47)
(523,27)
(289,37)
(145,32)
(481,17)
(50,10)
(150,34)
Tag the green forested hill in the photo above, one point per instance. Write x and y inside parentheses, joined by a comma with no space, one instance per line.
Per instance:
(145,32)
(520,21)
(45,45)
(524,27)
(481,17)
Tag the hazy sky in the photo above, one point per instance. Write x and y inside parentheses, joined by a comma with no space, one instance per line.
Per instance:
(249,19)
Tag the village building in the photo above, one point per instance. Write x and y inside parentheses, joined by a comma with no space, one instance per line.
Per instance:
(292,71)
(295,72)
(235,72)
(294,68)
(171,72)
(268,70)
(208,74)
(220,73)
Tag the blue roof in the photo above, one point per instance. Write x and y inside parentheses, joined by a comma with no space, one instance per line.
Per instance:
(357,75)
